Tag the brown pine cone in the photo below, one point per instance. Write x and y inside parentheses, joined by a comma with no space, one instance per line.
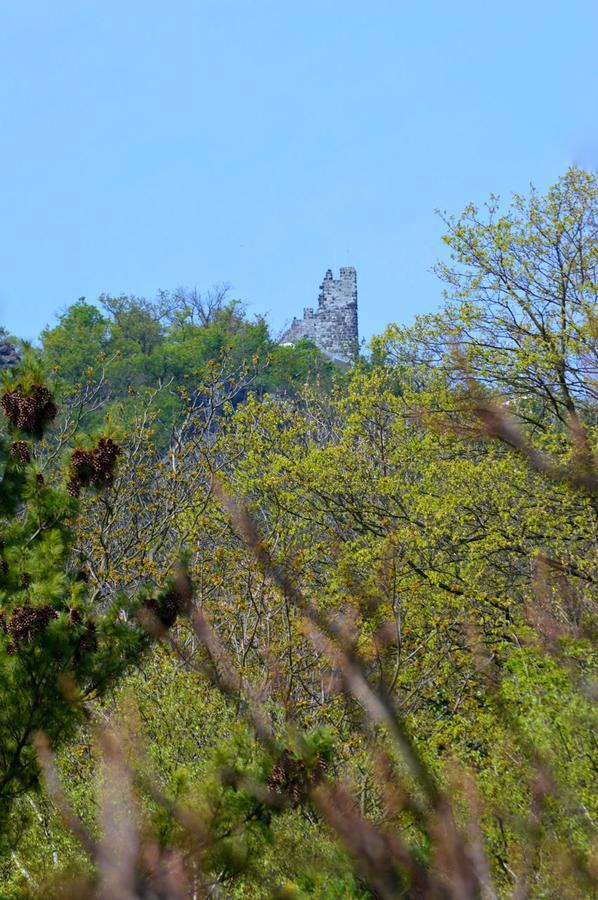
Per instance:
(27,622)
(164,609)
(95,467)
(30,412)
(19,450)
(73,486)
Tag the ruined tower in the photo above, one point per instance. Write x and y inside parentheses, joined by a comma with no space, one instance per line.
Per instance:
(333,325)
(9,355)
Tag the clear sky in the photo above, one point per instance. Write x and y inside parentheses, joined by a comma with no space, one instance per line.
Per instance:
(150,144)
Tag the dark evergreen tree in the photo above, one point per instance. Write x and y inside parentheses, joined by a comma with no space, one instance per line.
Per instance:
(54,652)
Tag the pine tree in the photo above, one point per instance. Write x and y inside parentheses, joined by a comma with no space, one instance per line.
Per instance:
(55,653)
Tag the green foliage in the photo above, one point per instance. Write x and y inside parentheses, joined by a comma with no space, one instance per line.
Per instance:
(134,347)
(53,646)
(80,338)
(451,563)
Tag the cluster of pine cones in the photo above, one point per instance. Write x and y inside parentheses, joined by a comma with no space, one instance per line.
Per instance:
(93,467)
(292,778)
(19,450)
(26,623)
(168,606)
(32,411)
(165,609)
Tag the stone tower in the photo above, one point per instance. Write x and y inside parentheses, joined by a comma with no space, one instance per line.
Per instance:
(9,356)
(333,325)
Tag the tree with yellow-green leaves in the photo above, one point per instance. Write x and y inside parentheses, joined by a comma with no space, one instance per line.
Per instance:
(385,655)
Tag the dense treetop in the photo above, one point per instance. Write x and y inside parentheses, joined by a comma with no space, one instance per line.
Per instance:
(172,343)
(273,628)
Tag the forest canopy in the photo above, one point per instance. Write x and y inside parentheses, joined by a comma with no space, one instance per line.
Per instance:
(275,627)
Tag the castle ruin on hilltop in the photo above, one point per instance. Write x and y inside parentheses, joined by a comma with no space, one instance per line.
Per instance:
(9,355)
(333,325)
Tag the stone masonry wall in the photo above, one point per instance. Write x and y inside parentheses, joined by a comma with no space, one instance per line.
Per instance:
(9,356)
(333,325)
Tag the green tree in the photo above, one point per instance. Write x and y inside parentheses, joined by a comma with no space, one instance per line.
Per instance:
(55,650)
(394,594)
(81,337)
(523,286)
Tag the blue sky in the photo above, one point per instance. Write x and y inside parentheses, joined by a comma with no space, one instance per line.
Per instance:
(148,144)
